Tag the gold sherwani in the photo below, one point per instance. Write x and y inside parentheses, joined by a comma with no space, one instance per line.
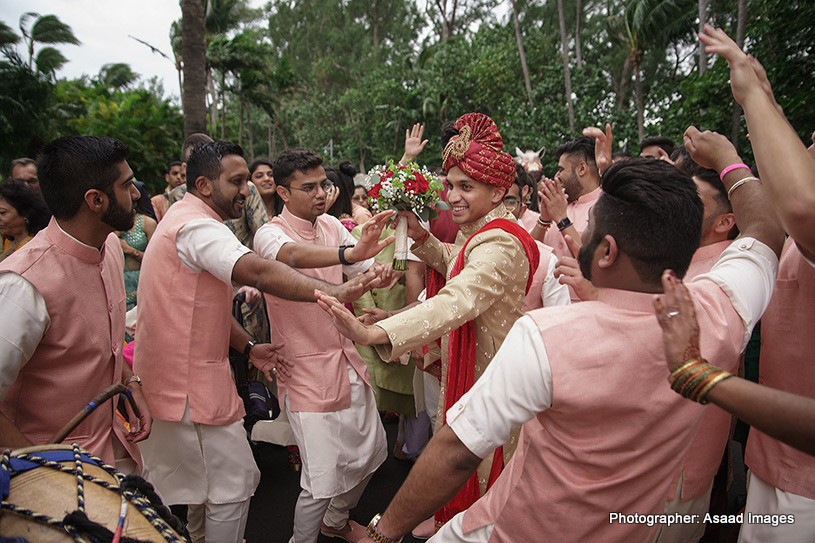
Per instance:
(489,291)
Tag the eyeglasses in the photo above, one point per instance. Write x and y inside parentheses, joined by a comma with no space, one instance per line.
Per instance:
(311,188)
(510,201)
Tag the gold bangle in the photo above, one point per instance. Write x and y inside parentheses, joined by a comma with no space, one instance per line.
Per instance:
(721,376)
(682,367)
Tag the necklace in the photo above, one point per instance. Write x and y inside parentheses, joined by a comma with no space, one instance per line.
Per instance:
(301,236)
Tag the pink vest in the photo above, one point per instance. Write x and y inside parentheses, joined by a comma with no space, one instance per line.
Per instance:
(615,434)
(81,353)
(533,297)
(702,460)
(317,351)
(787,347)
(182,334)
(528,220)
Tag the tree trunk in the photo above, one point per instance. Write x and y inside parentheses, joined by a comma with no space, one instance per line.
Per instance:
(269,139)
(193,51)
(640,102)
(249,133)
(578,49)
(240,125)
(735,117)
(223,106)
(519,40)
(702,21)
(213,108)
(566,71)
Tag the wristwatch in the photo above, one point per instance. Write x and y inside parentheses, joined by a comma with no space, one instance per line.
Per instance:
(133,379)
(376,535)
(248,348)
(342,249)
(564,224)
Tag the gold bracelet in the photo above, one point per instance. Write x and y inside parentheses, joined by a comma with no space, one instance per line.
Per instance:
(675,373)
(721,376)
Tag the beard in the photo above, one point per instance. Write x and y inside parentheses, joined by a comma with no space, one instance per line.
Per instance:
(586,255)
(227,206)
(117,216)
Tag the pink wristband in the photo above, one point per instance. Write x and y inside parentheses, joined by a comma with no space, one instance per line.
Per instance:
(731,168)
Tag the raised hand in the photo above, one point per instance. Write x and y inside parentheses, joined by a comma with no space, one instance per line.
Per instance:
(710,149)
(744,81)
(265,357)
(414,144)
(677,317)
(602,146)
(553,199)
(359,285)
(331,196)
(346,323)
(369,244)
(568,272)
(372,315)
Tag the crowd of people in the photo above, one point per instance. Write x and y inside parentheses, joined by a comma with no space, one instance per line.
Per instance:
(557,337)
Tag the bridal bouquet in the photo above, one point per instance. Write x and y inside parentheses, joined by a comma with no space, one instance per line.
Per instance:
(405,188)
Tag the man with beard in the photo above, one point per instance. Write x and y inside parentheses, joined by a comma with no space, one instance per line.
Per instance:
(62,306)
(569,208)
(198,454)
(603,433)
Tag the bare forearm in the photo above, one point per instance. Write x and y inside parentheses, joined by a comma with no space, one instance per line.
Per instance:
(787,417)
(278,279)
(791,188)
(306,255)
(754,217)
(238,336)
(440,472)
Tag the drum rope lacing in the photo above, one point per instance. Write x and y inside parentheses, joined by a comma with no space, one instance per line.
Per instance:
(126,485)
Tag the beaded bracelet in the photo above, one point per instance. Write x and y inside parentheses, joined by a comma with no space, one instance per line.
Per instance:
(694,379)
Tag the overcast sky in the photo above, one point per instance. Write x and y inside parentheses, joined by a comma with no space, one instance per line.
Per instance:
(103,27)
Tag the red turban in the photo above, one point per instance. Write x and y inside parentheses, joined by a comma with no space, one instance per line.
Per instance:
(476,150)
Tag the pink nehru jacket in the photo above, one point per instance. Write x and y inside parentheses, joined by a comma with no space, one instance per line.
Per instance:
(533,297)
(528,220)
(787,347)
(311,342)
(183,329)
(81,353)
(704,455)
(615,434)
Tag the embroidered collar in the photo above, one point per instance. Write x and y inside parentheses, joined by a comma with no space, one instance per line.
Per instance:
(499,212)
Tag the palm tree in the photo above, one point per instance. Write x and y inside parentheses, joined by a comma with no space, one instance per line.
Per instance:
(45,29)
(521,52)
(567,73)
(651,24)
(194,53)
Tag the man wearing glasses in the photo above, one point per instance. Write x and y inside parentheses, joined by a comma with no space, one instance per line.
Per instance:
(328,396)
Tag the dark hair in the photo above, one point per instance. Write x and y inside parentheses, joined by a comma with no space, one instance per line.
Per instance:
(295,159)
(173,164)
(192,141)
(28,202)
(259,162)
(22,161)
(617,156)
(660,141)
(360,187)
(682,160)
(710,177)
(72,165)
(582,148)
(448,130)
(205,161)
(654,213)
(342,205)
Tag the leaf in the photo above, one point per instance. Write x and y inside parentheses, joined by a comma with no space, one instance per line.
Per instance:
(49,60)
(424,214)
(49,29)
(442,205)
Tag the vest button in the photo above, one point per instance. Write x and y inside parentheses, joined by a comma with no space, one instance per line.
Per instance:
(110,308)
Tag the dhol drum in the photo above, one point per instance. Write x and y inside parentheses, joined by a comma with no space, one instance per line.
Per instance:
(60,493)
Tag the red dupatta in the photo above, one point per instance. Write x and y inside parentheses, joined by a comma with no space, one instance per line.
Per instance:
(461,361)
